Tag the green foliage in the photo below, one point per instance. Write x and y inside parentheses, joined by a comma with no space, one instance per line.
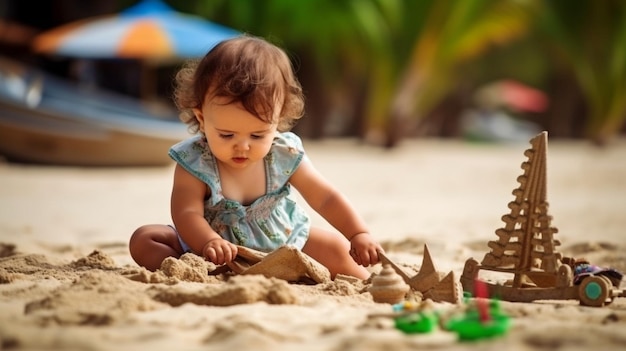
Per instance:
(409,55)
(454,32)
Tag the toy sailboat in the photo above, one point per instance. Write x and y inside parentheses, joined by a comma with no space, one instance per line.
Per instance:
(527,249)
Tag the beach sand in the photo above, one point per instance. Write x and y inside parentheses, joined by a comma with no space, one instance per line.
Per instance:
(67,281)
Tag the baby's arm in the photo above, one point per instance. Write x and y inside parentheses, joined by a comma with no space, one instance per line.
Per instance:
(187,207)
(331,204)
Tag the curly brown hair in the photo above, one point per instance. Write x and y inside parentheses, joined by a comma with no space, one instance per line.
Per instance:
(244,69)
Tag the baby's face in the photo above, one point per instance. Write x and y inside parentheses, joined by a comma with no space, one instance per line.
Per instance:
(236,137)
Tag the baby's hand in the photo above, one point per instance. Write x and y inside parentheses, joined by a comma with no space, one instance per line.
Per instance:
(364,250)
(219,251)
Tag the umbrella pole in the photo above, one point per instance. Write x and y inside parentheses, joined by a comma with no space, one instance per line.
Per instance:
(147,87)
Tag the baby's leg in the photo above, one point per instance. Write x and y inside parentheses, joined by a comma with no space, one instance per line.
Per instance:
(333,251)
(151,244)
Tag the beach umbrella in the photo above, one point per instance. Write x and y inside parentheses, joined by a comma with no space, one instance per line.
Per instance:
(148,30)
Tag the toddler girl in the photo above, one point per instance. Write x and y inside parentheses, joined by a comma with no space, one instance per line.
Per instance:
(233,177)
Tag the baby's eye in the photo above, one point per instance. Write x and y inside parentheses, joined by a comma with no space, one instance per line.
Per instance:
(226,136)
(255,136)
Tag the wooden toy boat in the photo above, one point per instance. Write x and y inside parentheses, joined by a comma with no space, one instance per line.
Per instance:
(527,250)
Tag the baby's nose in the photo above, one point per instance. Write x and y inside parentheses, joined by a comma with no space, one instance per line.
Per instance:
(243,144)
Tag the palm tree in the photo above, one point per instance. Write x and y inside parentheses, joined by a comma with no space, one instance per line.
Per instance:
(391,62)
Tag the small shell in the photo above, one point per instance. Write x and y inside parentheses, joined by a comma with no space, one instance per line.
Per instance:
(388,286)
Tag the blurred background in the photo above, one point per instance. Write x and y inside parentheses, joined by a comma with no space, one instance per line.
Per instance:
(378,70)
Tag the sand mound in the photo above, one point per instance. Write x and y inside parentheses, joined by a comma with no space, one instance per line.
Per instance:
(67,281)
(237,290)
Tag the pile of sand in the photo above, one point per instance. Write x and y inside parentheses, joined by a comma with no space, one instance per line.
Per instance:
(68,283)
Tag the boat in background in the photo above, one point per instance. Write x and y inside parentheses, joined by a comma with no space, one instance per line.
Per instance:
(47,120)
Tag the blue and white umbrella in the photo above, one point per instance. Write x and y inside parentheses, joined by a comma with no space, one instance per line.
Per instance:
(148,30)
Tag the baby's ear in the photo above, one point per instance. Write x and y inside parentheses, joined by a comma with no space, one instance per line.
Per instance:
(199,116)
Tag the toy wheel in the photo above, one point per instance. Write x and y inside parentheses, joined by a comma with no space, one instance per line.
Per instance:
(470,273)
(593,291)
(610,285)
(564,276)
(470,269)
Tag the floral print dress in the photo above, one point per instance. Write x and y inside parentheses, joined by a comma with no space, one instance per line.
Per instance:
(273,219)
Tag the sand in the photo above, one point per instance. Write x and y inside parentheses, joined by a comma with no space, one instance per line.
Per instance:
(67,281)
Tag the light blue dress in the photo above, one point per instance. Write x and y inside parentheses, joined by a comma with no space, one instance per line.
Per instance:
(270,221)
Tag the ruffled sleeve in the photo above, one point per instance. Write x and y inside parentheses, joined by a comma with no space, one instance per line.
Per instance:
(194,156)
(284,158)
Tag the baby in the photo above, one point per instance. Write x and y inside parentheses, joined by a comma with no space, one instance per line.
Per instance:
(233,177)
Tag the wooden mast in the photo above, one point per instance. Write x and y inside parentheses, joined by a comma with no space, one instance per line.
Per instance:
(526,243)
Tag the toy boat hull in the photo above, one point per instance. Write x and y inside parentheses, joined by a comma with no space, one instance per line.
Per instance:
(508,293)
(595,291)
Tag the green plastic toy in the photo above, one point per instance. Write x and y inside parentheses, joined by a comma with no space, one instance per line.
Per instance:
(483,319)
(473,325)
(412,318)
(418,322)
